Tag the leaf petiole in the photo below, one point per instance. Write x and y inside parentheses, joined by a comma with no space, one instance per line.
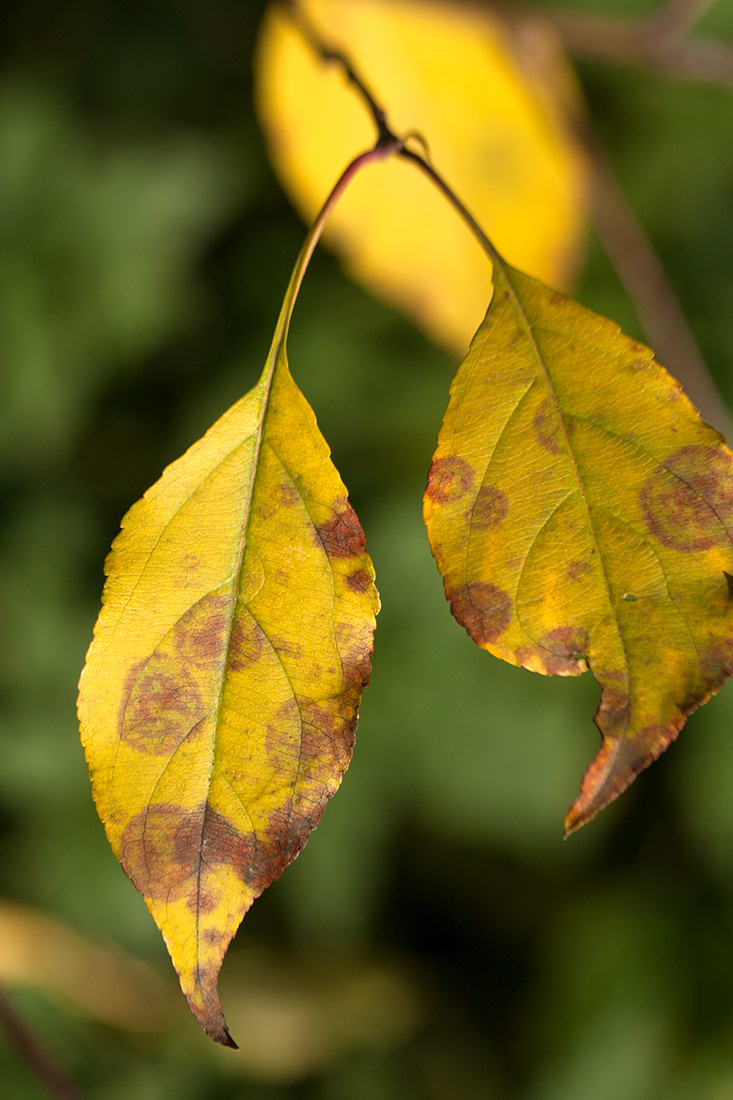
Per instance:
(387,145)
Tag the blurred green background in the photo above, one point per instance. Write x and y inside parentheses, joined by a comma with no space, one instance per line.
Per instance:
(436,939)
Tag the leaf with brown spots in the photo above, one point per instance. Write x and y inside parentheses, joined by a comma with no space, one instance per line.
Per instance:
(581,515)
(220,697)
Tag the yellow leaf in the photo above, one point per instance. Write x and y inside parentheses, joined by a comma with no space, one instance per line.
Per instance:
(221,691)
(496,130)
(581,515)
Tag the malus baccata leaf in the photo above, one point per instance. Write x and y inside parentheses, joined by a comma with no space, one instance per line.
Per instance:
(220,696)
(581,515)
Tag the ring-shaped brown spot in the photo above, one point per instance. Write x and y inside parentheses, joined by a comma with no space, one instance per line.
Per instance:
(489,509)
(450,478)
(687,503)
(576,570)
(163,707)
(199,636)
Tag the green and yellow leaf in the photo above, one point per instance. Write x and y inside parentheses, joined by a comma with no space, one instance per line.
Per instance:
(220,696)
(493,106)
(581,515)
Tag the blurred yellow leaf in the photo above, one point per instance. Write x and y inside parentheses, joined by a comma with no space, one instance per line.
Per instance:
(220,696)
(300,1014)
(110,985)
(495,128)
(581,515)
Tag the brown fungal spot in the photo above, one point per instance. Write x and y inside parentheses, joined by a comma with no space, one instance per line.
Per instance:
(566,648)
(358,581)
(547,427)
(190,563)
(342,536)
(287,494)
(245,643)
(287,831)
(199,636)
(483,609)
(169,851)
(287,648)
(357,669)
(613,715)
(715,665)
(323,753)
(578,569)
(162,708)
(450,477)
(489,509)
(186,575)
(687,503)
(559,652)
(282,736)
(162,703)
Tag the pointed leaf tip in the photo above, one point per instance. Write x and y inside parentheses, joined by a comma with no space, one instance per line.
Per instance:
(581,515)
(209,1013)
(615,767)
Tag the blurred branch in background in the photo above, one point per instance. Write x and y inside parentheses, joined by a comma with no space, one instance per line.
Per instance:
(103,982)
(54,1080)
(658,42)
(673,19)
(644,277)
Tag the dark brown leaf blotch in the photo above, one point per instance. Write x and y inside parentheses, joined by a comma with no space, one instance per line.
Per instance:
(483,609)
(342,536)
(164,847)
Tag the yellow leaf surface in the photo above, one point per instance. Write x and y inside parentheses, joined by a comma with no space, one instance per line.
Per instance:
(495,128)
(581,515)
(221,691)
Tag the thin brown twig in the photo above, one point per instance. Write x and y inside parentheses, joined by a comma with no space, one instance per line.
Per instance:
(55,1081)
(331,54)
